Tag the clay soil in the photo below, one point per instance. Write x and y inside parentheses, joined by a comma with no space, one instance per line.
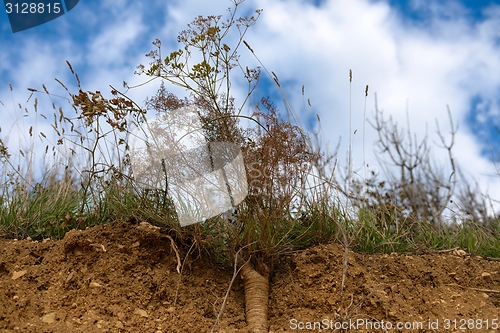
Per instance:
(122,277)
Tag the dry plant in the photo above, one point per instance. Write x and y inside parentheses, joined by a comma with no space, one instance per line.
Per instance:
(38,193)
(278,156)
(209,83)
(417,188)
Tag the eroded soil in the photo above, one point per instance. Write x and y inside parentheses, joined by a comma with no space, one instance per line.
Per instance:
(123,277)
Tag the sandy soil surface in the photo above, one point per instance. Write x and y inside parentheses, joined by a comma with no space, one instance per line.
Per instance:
(122,277)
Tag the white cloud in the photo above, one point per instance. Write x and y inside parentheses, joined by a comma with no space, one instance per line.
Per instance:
(413,67)
(116,38)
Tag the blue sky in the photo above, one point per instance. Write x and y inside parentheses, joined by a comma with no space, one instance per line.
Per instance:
(417,56)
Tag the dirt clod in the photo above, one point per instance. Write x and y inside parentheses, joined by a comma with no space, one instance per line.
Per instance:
(17,275)
(49,318)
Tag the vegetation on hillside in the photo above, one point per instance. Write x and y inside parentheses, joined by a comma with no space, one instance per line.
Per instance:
(297,197)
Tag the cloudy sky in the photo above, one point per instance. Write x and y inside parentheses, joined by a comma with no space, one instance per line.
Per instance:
(418,57)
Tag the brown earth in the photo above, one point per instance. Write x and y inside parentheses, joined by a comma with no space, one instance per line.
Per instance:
(122,277)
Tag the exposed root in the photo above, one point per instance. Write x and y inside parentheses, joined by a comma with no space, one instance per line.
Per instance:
(235,274)
(256,298)
(180,267)
(174,247)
